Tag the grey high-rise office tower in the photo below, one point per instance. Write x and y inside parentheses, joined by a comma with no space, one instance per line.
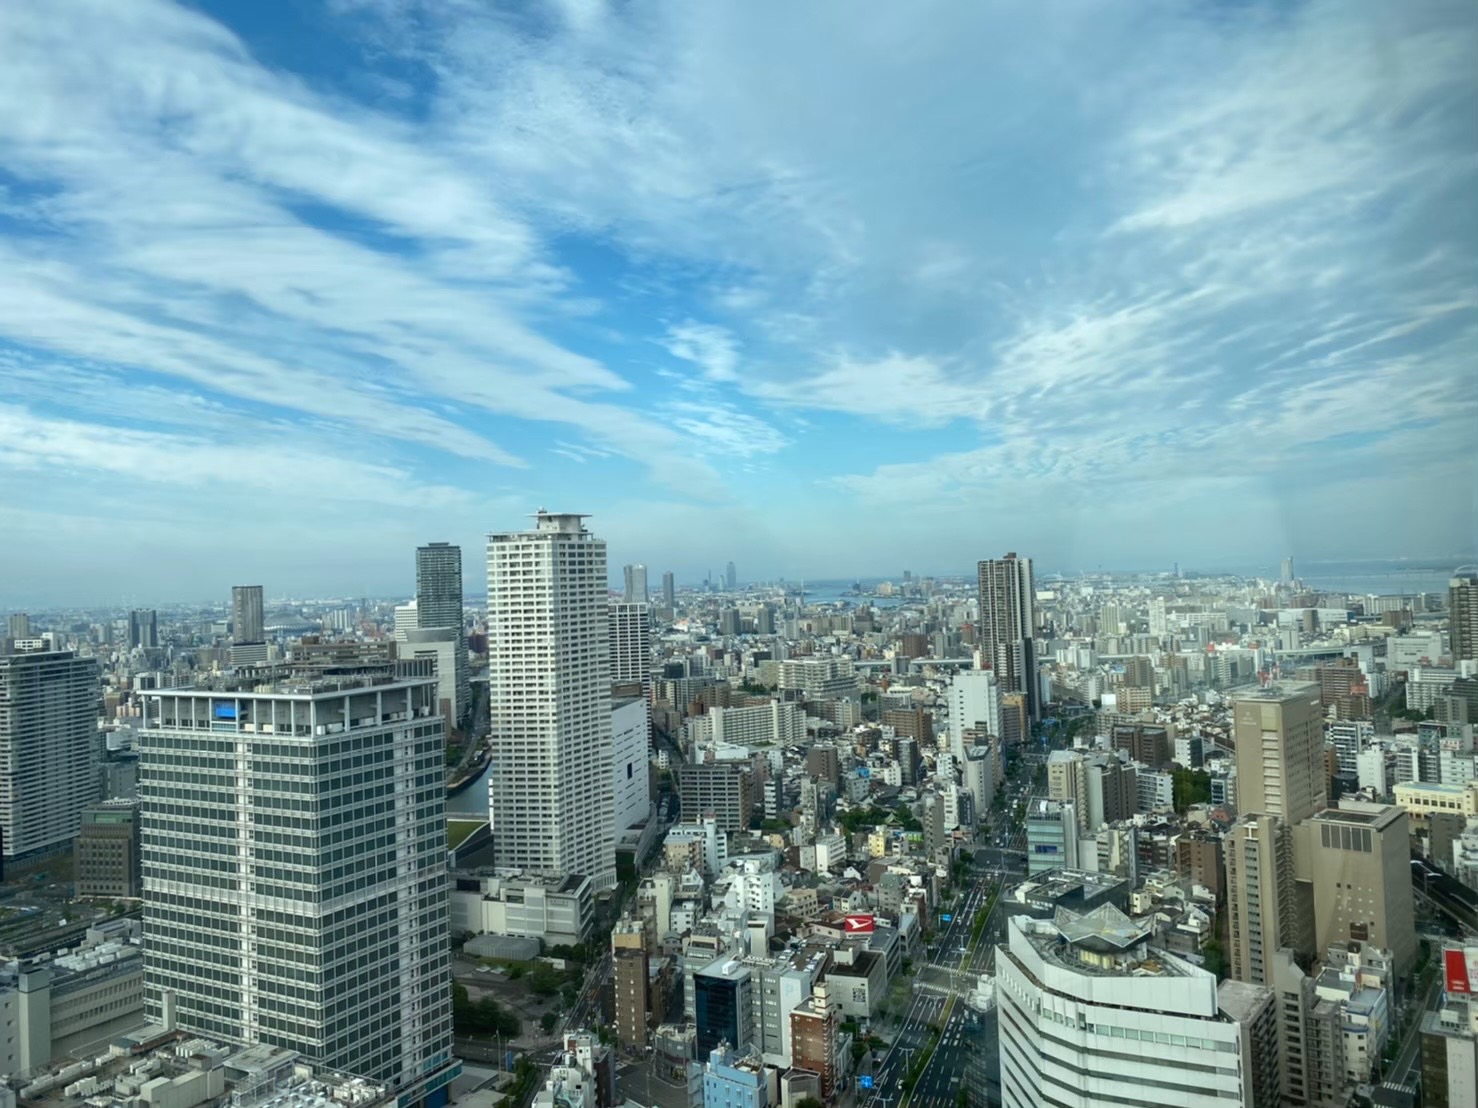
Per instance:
(439,607)
(294,869)
(1462,613)
(636,585)
(669,592)
(439,585)
(246,614)
(143,629)
(1285,575)
(550,793)
(20,625)
(49,751)
(731,577)
(1007,624)
(631,644)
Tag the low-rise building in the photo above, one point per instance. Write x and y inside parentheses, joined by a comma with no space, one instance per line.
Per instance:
(557,910)
(1422,798)
(730,1081)
(858,980)
(79,998)
(161,1067)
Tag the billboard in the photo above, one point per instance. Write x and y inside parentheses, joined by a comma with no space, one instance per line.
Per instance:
(1460,970)
(858,925)
(223,709)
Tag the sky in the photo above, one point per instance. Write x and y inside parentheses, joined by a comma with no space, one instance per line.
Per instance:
(287,288)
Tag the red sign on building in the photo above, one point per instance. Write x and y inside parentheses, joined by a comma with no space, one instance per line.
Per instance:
(858,925)
(1455,964)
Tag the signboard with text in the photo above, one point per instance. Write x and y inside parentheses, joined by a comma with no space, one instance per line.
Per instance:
(1460,970)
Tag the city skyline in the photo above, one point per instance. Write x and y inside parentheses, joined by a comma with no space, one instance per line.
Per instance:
(1374,577)
(1209,280)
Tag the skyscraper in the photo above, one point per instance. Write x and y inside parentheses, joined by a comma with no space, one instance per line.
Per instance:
(1278,732)
(246,614)
(549,688)
(669,591)
(1261,897)
(731,577)
(636,585)
(20,625)
(439,585)
(439,607)
(49,755)
(631,644)
(294,869)
(1285,575)
(1462,613)
(143,629)
(1007,623)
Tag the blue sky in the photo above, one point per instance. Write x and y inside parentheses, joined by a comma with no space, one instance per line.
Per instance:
(287,288)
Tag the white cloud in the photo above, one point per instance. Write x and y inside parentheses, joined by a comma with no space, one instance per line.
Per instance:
(722,429)
(175,169)
(998,263)
(275,466)
(712,349)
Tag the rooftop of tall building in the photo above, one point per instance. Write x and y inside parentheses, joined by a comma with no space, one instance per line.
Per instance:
(1379,816)
(1275,691)
(1103,942)
(300,681)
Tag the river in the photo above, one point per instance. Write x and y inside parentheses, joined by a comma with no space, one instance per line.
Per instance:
(473,800)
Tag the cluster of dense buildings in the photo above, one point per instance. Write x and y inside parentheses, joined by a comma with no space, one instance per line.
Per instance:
(1212,897)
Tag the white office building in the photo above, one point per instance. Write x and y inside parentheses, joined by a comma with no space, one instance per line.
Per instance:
(748,884)
(442,646)
(974,702)
(293,852)
(979,777)
(549,688)
(50,748)
(405,619)
(1091,1015)
(1370,769)
(778,723)
(820,678)
(636,585)
(631,780)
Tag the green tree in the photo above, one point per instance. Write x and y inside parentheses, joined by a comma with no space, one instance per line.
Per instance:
(1216,959)
(548,1021)
(544,981)
(1189,787)
(482,1017)
(809,1102)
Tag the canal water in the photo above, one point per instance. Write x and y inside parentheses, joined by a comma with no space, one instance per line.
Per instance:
(473,800)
